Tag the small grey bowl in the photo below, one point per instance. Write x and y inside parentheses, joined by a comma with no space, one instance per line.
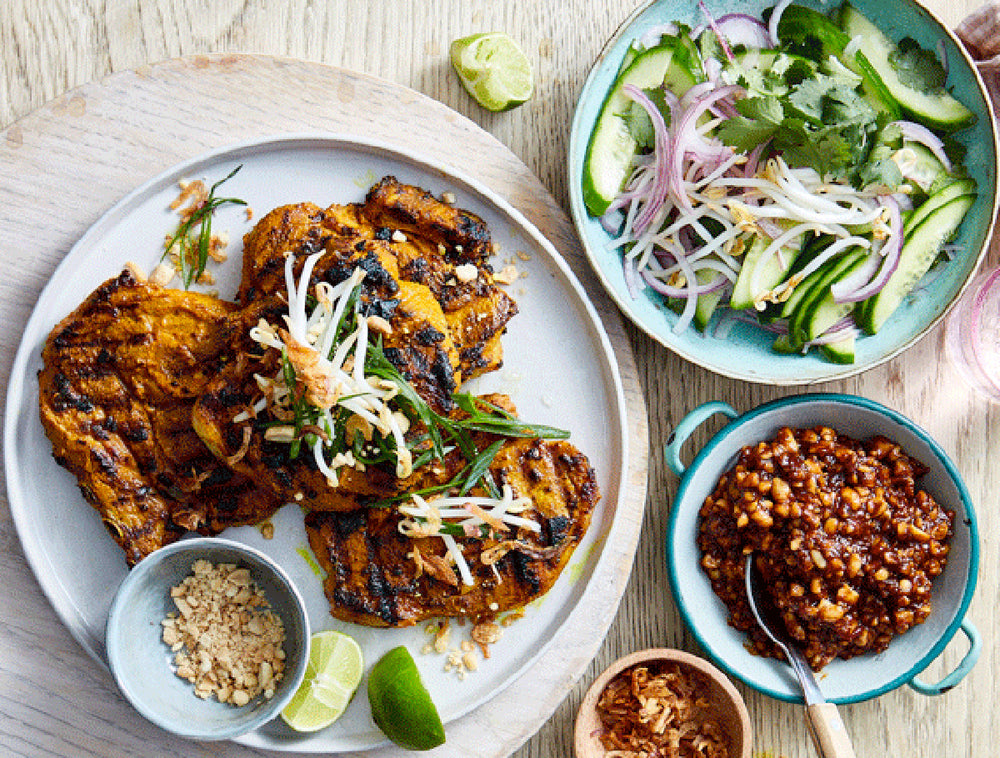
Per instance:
(141,662)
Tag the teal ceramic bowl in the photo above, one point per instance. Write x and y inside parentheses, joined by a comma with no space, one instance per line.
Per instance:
(744,352)
(141,662)
(859,678)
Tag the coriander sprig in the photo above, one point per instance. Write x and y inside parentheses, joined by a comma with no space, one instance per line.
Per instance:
(193,244)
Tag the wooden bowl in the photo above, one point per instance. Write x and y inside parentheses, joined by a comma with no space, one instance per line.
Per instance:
(727,708)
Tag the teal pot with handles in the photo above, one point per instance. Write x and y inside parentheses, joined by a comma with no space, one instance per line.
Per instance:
(859,678)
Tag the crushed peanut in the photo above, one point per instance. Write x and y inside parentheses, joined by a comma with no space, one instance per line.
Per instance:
(226,640)
(507,275)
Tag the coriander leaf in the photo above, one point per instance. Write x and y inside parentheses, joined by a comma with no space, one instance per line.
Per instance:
(880,171)
(638,122)
(917,67)
(824,150)
(759,119)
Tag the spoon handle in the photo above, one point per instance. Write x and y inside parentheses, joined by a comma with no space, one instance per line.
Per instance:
(828,732)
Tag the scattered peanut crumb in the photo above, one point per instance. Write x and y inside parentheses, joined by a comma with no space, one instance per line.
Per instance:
(523,255)
(162,274)
(507,275)
(398,236)
(449,198)
(266,530)
(226,640)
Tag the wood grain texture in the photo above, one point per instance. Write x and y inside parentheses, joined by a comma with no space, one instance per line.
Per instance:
(54,701)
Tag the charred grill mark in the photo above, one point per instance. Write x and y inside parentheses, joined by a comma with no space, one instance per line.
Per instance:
(428,336)
(472,357)
(135,434)
(523,570)
(556,529)
(66,396)
(384,308)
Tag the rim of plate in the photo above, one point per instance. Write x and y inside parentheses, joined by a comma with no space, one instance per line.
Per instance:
(577,146)
(854,401)
(35,554)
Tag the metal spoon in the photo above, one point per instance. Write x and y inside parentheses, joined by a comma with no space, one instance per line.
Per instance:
(823,719)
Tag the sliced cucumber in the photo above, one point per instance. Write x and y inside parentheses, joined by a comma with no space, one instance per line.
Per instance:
(705,305)
(612,146)
(819,289)
(919,165)
(934,107)
(757,276)
(815,246)
(841,351)
(921,248)
(809,33)
(944,195)
(825,312)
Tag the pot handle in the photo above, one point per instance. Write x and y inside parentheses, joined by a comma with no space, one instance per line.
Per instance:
(963,668)
(687,425)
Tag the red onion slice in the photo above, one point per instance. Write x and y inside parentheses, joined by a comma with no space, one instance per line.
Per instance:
(919,133)
(772,24)
(661,152)
(893,248)
(715,29)
(741,29)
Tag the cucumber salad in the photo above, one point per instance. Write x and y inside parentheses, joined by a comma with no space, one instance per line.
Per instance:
(798,169)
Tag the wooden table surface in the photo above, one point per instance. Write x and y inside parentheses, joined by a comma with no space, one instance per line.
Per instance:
(54,701)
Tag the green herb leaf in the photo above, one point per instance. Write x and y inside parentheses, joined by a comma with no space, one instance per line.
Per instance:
(917,67)
(480,466)
(188,241)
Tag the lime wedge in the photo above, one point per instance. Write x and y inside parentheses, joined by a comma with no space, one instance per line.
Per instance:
(493,69)
(332,675)
(401,705)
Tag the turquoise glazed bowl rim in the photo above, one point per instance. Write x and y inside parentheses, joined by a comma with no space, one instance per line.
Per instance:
(141,663)
(742,350)
(860,678)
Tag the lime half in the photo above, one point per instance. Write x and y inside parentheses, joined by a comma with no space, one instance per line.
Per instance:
(332,675)
(493,69)
(401,705)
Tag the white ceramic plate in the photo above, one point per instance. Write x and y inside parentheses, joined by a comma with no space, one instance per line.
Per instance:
(558,368)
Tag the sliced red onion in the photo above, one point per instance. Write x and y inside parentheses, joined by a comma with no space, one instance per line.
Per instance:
(844,289)
(715,29)
(632,281)
(753,159)
(741,29)
(904,200)
(611,221)
(893,249)
(712,68)
(842,330)
(773,327)
(920,133)
(662,156)
(772,24)
(685,134)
